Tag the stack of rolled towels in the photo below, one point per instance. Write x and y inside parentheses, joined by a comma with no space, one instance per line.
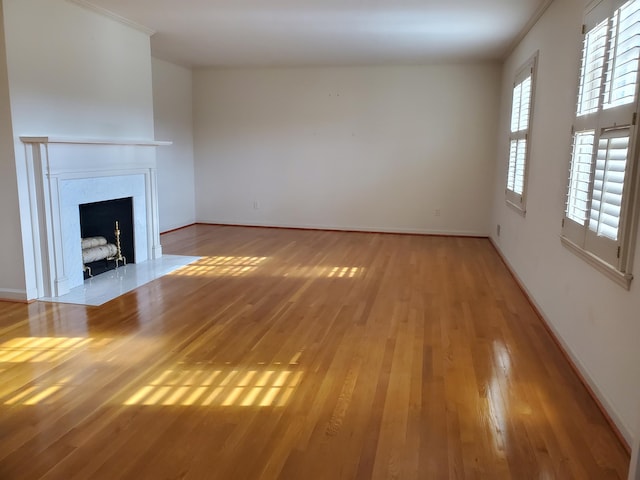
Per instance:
(97,248)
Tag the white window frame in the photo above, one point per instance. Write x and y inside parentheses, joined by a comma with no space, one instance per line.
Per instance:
(520,135)
(602,121)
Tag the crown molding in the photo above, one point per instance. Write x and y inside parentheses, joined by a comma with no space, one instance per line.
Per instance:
(527,28)
(114,16)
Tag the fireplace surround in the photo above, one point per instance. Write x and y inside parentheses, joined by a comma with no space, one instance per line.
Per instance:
(64,173)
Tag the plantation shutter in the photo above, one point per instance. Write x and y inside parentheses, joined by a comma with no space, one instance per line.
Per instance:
(622,73)
(608,183)
(517,156)
(592,70)
(580,177)
(608,186)
(604,129)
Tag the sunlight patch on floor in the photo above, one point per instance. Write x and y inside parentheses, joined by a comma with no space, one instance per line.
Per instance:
(226,387)
(328,272)
(37,394)
(40,349)
(232,266)
(220,267)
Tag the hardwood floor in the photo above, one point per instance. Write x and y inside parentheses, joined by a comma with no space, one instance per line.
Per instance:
(300,355)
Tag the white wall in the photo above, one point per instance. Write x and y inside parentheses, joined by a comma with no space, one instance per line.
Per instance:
(75,72)
(597,321)
(372,148)
(12,271)
(173,118)
(72,72)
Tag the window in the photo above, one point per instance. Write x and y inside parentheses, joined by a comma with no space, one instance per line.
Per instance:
(599,218)
(520,133)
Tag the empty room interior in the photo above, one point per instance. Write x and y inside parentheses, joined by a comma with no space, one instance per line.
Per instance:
(319,240)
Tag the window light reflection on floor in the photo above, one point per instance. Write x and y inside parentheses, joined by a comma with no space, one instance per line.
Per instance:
(226,387)
(37,394)
(40,349)
(239,266)
(220,266)
(328,272)
(344,272)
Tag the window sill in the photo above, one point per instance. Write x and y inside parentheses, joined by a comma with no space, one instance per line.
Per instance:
(622,279)
(517,207)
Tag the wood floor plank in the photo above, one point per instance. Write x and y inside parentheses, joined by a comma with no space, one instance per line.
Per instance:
(290,354)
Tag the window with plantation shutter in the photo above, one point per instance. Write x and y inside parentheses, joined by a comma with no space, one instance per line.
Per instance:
(602,190)
(519,134)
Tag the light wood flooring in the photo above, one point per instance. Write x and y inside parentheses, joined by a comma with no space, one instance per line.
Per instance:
(300,355)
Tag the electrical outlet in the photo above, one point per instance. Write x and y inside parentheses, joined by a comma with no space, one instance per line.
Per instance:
(436,212)
(256,205)
(498,230)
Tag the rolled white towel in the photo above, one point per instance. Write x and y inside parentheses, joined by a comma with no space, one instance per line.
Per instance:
(101,252)
(91,242)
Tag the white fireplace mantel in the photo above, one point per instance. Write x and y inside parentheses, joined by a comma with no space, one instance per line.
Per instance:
(64,172)
(94,141)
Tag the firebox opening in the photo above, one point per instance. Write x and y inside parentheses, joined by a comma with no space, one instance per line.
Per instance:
(98,220)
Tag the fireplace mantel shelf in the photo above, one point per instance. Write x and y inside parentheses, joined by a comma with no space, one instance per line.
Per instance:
(94,141)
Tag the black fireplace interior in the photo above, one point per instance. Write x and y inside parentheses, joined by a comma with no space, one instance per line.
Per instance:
(99,219)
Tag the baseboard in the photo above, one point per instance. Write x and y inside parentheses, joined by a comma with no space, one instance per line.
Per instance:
(12,295)
(177,228)
(329,228)
(624,436)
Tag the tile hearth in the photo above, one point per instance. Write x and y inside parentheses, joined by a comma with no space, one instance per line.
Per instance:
(109,285)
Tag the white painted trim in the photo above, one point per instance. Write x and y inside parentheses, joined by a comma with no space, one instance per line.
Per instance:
(12,295)
(94,141)
(517,208)
(587,377)
(622,279)
(342,228)
(114,16)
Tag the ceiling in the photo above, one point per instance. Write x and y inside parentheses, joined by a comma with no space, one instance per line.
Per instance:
(328,32)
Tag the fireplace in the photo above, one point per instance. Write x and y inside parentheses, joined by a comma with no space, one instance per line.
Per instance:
(66,173)
(106,229)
